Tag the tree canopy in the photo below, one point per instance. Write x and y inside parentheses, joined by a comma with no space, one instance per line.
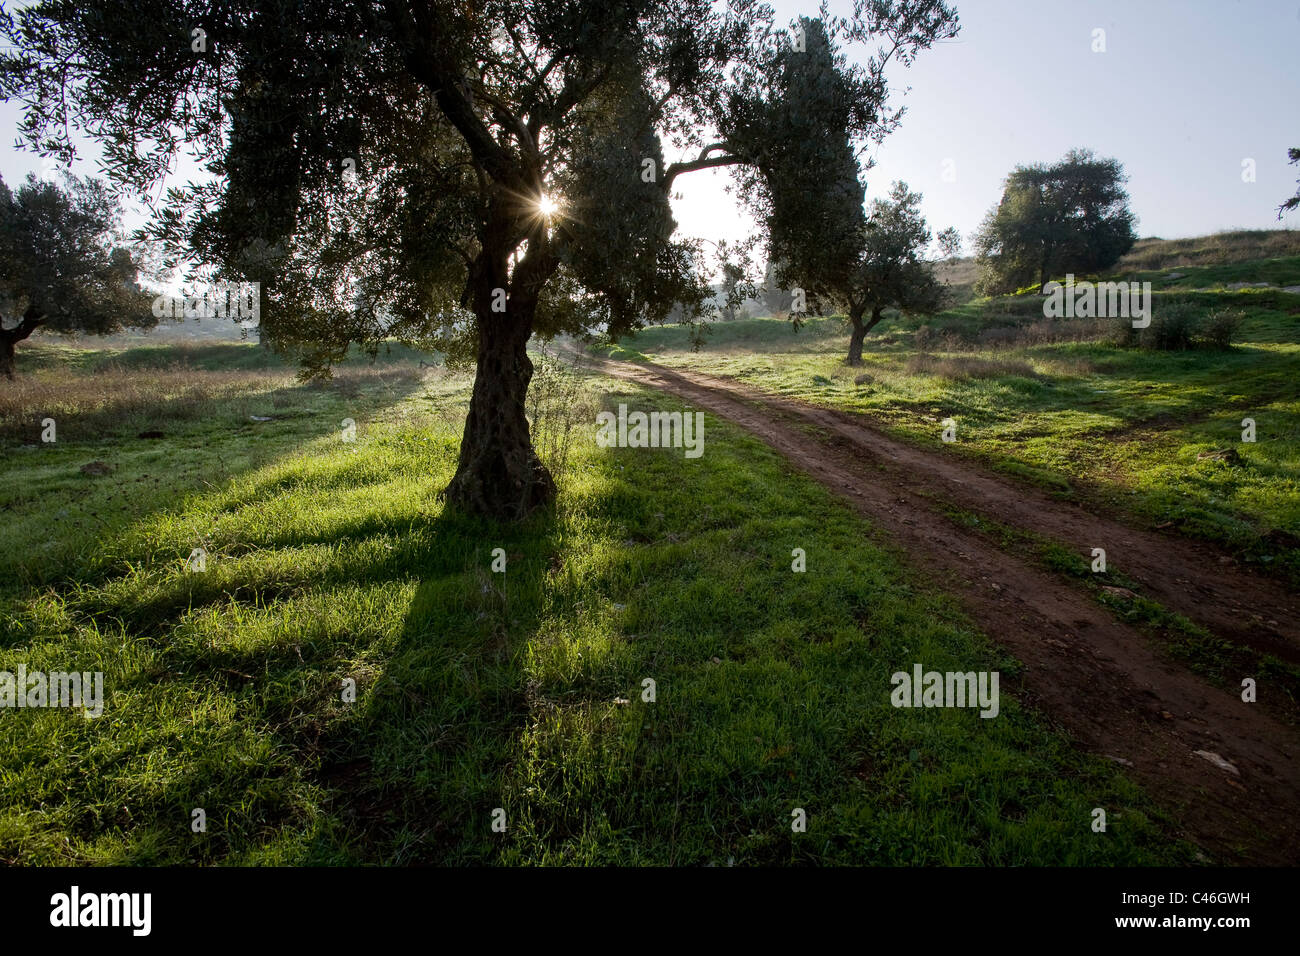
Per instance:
(1071,216)
(455,174)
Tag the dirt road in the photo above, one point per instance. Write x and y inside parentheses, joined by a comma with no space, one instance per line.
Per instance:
(1106,682)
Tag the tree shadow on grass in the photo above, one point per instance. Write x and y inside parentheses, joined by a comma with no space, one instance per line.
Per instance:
(287,769)
(165,455)
(414,767)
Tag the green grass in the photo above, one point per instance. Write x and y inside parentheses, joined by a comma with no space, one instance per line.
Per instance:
(1283,271)
(331,560)
(52,353)
(1232,247)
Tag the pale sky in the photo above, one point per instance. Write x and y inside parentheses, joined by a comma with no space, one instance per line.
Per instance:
(1185,92)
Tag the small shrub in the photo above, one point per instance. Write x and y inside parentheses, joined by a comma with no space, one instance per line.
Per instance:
(1121,332)
(951,340)
(1177,326)
(1221,327)
(1043,332)
(1173,328)
(559,401)
(1000,336)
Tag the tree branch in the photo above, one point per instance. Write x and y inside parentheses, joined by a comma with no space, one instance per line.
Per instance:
(529,99)
(571,94)
(704,161)
(437,73)
(32,320)
(511,121)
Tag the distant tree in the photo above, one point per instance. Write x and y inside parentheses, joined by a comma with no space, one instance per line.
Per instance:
(1072,216)
(819,236)
(805,191)
(732,276)
(880,264)
(1294,201)
(62,267)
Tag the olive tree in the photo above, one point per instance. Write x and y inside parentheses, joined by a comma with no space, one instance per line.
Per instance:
(892,270)
(1068,216)
(63,266)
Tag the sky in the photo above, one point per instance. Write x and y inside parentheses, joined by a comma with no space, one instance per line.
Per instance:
(1184,93)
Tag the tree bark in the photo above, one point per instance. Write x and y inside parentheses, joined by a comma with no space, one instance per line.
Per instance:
(855,338)
(7,354)
(9,338)
(499,474)
(860,330)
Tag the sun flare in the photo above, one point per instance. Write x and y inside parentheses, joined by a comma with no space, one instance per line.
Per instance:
(547,206)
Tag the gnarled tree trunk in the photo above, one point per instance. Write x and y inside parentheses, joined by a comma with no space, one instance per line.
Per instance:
(499,474)
(6,353)
(9,338)
(860,330)
(855,338)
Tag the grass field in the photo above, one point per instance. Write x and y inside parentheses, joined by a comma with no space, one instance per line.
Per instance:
(330,560)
